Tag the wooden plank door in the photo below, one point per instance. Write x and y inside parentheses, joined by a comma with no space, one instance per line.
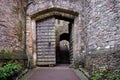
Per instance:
(46,53)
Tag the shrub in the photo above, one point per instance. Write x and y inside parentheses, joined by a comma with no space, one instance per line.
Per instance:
(99,73)
(9,70)
(104,74)
(6,56)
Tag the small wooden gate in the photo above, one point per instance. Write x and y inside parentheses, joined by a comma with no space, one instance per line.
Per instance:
(46,54)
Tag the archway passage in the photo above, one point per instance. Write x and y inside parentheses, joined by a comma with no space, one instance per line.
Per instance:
(64,52)
(64,48)
(47,45)
(65,36)
(62,42)
(53,42)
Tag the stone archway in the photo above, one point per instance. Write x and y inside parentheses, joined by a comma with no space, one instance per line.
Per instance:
(43,14)
(63,50)
(65,36)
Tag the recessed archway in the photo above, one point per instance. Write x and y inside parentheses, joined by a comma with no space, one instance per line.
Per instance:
(65,36)
(64,52)
(64,48)
(56,13)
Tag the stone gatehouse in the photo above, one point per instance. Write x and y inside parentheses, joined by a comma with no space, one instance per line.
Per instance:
(88,30)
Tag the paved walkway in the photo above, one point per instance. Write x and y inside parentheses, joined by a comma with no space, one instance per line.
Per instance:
(53,73)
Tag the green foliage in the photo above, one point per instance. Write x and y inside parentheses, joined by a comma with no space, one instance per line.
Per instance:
(104,74)
(116,74)
(3,75)
(117,26)
(6,56)
(2,51)
(9,70)
(99,73)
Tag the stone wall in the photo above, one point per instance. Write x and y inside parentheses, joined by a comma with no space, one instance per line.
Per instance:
(61,27)
(109,58)
(103,23)
(6,24)
(66,9)
(9,24)
(96,26)
(103,29)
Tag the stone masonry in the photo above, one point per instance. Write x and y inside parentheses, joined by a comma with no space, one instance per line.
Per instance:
(95,33)
(11,23)
(7,39)
(103,31)
(38,11)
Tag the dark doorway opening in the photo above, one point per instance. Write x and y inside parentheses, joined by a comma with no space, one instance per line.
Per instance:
(63,39)
(54,42)
(64,52)
(47,39)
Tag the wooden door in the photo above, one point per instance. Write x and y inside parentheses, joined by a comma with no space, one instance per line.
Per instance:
(46,42)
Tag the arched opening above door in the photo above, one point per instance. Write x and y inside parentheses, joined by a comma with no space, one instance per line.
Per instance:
(64,48)
(64,52)
(65,36)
